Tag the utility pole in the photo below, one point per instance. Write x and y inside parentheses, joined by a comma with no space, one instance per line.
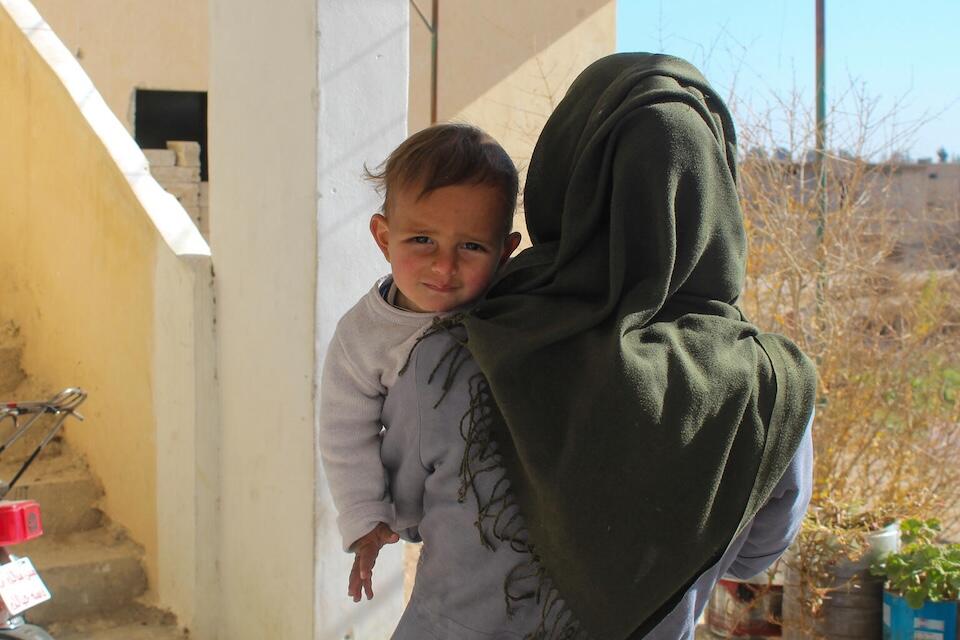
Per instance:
(821,158)
(435,33)
(821,138)
(433,26)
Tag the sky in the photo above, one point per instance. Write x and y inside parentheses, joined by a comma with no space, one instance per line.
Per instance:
(897,61)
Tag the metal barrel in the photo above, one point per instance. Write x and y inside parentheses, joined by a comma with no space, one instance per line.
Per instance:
(852,609)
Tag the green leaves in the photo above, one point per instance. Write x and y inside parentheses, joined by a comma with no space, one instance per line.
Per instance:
(914,531)
(922,569)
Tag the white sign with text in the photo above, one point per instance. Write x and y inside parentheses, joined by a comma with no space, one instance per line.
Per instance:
(21,586)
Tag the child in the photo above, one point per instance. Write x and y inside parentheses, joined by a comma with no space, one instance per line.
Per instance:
(445,228)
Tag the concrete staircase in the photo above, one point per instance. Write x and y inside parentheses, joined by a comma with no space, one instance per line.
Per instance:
(90,566)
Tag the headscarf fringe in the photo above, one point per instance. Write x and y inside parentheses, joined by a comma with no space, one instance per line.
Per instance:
(498,517)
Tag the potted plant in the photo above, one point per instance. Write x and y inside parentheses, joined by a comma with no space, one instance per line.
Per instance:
(922,584)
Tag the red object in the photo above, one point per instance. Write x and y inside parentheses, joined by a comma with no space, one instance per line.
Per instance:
(19,521)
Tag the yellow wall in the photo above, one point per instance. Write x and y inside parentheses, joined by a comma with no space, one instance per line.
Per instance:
(77,268)
(504,65)
(129,44)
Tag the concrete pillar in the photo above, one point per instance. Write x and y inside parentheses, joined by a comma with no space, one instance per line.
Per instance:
(302,93)
(362,111)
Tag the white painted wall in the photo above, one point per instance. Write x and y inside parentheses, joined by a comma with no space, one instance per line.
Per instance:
(187,444)
(262,175)
(302,92)
(363,53)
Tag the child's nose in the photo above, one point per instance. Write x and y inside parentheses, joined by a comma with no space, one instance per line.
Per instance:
(445,263)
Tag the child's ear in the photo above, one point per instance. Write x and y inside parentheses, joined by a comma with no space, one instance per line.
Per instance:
(381,233)
(510,245)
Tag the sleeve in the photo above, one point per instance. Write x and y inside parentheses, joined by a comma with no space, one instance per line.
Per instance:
(778,521)
(349,442)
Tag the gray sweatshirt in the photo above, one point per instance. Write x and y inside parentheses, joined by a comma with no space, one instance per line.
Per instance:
(367,351)
(459,591)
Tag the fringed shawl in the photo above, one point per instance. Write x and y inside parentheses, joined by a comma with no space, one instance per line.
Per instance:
(640,418)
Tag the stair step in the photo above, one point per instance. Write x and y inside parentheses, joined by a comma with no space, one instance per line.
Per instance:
(65,489)
(132,622)
(88,573)
(22,449)
(128,632)
(30,390)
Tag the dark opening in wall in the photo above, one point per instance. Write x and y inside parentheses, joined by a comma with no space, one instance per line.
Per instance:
(171,115)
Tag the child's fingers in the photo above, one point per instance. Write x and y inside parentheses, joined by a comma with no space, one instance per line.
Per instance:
(367,558)
(353,587)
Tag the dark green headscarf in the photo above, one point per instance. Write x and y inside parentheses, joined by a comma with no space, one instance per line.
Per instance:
(641,419)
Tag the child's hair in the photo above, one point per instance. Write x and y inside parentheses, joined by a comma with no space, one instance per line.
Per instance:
(444,155)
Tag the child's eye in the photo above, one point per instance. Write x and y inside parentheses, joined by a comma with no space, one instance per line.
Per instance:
(420,239)
(473,246)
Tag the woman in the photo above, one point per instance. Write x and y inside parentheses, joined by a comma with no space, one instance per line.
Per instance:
(615,435)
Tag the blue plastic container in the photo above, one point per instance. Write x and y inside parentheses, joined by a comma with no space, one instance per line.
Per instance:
(933,621)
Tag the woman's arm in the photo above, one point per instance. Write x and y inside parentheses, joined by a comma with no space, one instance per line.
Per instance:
(778,521)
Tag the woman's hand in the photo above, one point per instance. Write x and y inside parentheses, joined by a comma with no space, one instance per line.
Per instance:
(365,552)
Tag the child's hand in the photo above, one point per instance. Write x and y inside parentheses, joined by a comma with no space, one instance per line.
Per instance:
(365,551)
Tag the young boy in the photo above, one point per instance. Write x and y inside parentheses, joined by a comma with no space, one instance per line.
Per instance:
(445,228)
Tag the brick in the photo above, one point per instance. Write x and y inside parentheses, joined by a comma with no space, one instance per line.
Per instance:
(164,175)
(188,152)
(204,194)
(160,157)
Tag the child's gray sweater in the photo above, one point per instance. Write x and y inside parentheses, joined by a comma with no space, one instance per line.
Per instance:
(369,347)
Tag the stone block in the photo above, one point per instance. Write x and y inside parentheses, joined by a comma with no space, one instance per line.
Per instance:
(204,224)
(204,194)
(188,152)
(187,193)
(164,175)
(160,157)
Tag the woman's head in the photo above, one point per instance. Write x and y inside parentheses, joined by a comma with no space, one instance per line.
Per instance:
(637,163)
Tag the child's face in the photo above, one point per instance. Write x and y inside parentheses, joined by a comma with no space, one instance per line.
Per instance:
(444,248)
